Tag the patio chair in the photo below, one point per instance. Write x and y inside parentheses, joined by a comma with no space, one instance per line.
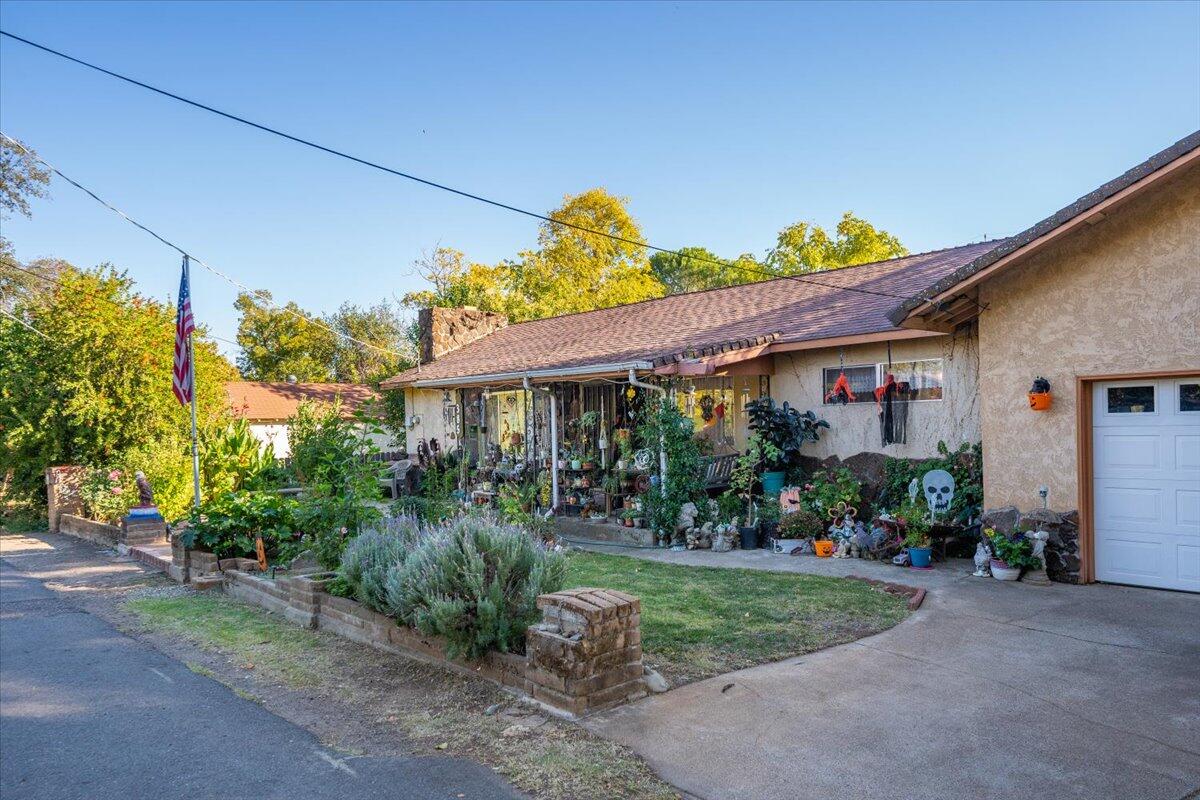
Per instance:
(396,477)
(718,472)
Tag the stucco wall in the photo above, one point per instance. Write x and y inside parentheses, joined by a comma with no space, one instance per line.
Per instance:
(427,403)
(1122,296)
(854,428)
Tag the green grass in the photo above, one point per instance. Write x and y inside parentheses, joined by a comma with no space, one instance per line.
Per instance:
(257,641)
(702,621)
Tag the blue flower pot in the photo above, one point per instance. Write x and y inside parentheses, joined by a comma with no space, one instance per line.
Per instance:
(920,557)
(772,483)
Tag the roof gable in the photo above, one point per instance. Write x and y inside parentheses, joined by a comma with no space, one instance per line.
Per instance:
(278,400)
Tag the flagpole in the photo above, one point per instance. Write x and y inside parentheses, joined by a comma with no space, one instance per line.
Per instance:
(192,361)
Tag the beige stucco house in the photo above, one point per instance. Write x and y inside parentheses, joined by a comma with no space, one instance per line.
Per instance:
(1101,298)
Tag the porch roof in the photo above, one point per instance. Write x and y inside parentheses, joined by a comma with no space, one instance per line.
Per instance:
(836,305)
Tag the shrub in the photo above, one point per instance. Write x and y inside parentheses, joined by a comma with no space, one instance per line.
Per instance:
(801,524)
(228,525)
(825,490)
(475,583)
(106,493)
(965,464)
(783,428)
(369,557)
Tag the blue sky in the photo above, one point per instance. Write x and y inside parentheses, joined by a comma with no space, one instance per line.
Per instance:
(721,123)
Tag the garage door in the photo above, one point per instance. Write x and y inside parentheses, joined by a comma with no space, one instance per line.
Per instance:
(1146,473)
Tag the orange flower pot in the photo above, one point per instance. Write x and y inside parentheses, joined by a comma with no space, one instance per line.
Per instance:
(823,548)
(1040,401)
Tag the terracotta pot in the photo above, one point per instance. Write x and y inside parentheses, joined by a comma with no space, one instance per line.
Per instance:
(823,548)
(1040,401)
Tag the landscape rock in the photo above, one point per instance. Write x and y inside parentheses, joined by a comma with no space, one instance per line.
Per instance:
(655,683)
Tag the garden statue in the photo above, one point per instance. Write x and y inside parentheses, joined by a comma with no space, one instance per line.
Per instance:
(687,517)
(843,549)
(913,490)
(1037,575)
(939,490)
(723,541)
(145,493)
(983,560)
(862,542)
(700,538)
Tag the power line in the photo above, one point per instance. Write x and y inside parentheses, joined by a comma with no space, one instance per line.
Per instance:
(259,294)
(20,321)
(433,184)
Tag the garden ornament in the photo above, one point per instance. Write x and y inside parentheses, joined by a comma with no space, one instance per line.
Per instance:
(1037,575)
(687,517)
(983,561)
(643,458)
(913,490)
(939,490)
(902,559)
(789,498)
(843,549)
(145,493)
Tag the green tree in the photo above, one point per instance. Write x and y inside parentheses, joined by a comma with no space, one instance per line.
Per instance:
(278,342)
(571,270)
(21,178)
(378,325)
(691,269)
(97,389)
(804,247)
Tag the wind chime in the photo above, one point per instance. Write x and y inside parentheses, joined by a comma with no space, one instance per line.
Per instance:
(892,401)
(841,393)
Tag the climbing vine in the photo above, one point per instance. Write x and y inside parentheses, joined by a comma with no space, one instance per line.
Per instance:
(661,420)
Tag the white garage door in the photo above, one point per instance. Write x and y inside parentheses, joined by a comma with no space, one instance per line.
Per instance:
(1146,450)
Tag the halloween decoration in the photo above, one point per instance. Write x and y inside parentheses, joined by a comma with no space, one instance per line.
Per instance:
(1040,398)
(892,401)
(840,393)
(707,403)
(939,490)
(983,558)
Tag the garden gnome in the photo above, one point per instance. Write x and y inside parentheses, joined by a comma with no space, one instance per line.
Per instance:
(983,561)
(1037,576)
(145,493)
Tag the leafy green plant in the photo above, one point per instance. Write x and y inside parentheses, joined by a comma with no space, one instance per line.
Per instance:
(785,429)
(801,524)
(769,510)
(474,582)
(663,422)
(107,493)
(229,524)
(743,479)
(232,459)
(515,501)
(826,489)
(917,524)
(370,556)
(1016,551)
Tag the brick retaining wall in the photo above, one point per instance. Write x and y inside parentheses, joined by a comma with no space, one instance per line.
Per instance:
(89,529)
(584,656)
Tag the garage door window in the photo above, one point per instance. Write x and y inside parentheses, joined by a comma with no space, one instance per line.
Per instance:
(1131,400)
(1189,397)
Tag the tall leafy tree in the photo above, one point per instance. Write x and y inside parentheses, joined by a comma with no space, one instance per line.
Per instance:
(278,343)
(570,270)
(21,178)
(692,269)
(96,389)
(804,247)
(378,325)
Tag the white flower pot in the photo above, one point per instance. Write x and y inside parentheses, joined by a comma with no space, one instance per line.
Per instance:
(784,547)
(1003,572)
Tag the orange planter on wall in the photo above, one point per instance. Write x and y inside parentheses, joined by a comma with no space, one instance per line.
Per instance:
(1040,401)
(823,548)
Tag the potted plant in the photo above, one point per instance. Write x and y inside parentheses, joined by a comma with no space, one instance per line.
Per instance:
(782,431)
(741,483)
(627,517)
(1009,556)
(795,527)
(916,539)
(769,512)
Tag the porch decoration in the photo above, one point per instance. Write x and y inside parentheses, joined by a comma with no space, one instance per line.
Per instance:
(841,392)
(983,557)
(1040,398)
(892,401)
(1010,555)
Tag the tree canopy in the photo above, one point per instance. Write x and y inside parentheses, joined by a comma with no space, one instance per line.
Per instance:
(97,391)
(278,343)
(803,247)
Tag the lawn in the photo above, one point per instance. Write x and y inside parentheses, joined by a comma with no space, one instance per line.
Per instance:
(702,621)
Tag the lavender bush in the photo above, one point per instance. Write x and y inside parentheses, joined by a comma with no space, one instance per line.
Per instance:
(369,557)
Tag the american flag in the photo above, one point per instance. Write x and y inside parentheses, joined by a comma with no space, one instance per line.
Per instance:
(184,377)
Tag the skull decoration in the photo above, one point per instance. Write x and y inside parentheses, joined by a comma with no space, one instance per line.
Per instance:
(939,490)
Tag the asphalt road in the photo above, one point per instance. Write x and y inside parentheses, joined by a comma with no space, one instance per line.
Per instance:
(87,712)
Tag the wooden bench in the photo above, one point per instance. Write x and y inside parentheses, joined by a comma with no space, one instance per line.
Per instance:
(718,471)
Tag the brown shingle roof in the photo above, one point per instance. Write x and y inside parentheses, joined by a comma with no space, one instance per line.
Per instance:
(278,400)
(782,310)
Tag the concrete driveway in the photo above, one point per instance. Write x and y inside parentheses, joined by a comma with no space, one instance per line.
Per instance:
(990,690)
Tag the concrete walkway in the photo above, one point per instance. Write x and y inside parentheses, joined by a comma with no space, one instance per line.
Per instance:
(991,690)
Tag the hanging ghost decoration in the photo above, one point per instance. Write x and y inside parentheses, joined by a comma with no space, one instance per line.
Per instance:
(939,490)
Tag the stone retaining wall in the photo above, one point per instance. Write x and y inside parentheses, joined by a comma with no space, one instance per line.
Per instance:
(90,529)
(585,656)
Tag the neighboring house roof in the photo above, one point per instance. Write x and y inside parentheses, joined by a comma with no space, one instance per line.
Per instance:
(1084,209)
(270,401)
(816,306)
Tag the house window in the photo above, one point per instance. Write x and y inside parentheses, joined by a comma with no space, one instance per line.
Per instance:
(717,409)
(924,377)
(861,379)
(1131,400)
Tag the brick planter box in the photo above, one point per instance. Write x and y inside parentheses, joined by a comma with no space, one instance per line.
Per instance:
(583,657)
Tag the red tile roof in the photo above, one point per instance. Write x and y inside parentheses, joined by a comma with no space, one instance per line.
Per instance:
(781,310)
(277,400)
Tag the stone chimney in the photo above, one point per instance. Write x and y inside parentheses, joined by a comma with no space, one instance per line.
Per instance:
(444,330)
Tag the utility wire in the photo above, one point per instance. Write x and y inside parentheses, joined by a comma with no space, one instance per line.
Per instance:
(22,322)
(433,184)
(259,294)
